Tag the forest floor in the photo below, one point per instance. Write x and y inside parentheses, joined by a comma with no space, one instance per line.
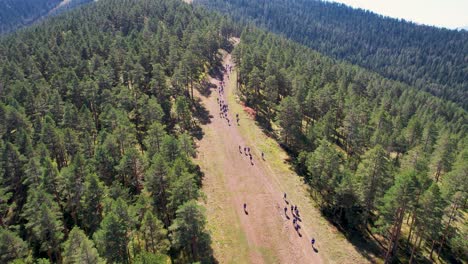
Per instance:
(262,234)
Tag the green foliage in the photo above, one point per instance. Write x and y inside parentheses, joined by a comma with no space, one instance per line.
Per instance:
(373,177)
(150,258)
(351,132)
(289,120)
(189,234)
(44,222)
(154,235)
(79,249)
(15,14)
(11,246)
(87,127)
(112,238)
(429,58)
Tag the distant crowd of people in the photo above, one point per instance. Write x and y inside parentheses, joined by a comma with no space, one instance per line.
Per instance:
(245,150)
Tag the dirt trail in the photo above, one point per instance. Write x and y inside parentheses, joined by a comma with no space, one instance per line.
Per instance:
(268,234)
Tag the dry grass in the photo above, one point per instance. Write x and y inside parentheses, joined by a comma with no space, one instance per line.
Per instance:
(332,245)
(229,244)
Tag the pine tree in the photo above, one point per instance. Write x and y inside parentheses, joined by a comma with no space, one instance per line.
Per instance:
(170,148)
(157,183)
(428,219)
(182,189)
(189,234)
(289,120)
(91,204)
(323,166)
(11,246)
(74,177)
(43,222)
(131,169)
(154,235)
(392,210)
(373,177)
(79,249)
(112,238)
(186,145)
(153,139)
(13,175)
(442,157)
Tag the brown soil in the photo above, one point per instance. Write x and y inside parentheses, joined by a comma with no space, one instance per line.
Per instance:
(269,235)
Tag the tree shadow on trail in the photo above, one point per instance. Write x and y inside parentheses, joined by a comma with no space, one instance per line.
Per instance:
(203,116)
(205,88)
(362,242)
(217,70)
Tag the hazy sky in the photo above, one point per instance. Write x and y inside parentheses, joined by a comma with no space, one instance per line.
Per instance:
(441,13)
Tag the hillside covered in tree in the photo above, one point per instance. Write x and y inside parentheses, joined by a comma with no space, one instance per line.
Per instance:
(96,135)
(381,158)
(431,59)
(15,14)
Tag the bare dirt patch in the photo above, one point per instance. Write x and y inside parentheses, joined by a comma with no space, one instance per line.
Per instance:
(262,234)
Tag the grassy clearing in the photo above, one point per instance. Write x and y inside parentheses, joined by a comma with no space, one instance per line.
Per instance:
(333,245)
(229,242)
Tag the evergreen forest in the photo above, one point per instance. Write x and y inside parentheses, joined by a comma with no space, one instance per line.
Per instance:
(100,121)
(428,58)
(376,153)
(96,135)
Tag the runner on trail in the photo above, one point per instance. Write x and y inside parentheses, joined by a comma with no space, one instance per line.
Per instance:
(312,241)
(245,208)
(263,156)
(284,197)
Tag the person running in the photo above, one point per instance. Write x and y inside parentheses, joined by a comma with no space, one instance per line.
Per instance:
(312,241)
(284,197)
(263,156)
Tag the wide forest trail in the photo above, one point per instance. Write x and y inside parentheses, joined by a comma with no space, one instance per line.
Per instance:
(263,233)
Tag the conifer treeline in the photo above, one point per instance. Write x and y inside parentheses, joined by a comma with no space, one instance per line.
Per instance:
(96,135)
(378,154)
(428,58)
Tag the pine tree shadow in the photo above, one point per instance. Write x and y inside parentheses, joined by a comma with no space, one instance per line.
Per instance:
(362,242)
(205,88)
(217,70)
(201,113)
(203,117)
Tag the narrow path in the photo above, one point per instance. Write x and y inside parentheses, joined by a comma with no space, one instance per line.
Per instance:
(264,234)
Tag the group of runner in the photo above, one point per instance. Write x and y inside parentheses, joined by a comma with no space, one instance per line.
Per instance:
(223,107)
(247,153)
(296,218)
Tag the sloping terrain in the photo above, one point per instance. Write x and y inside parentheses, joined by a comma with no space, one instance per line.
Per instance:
(263,233)
(431,59)
(15,14)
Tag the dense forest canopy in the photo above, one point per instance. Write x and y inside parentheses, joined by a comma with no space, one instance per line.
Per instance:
(429,58)
(15,14)
(96,134)
(98,118)
(374,151)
